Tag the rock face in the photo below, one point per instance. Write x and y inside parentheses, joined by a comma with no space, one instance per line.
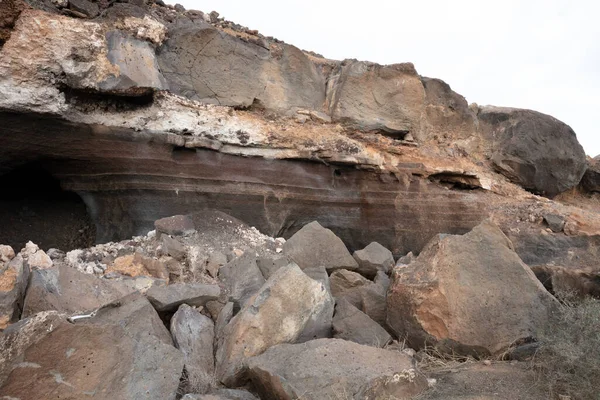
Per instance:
(534,150)
(455,294)
(315,246)
(325,368)
(278,313)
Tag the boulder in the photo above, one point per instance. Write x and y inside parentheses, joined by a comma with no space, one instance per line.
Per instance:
(345,285)
(562,281)
(278,313)
(242,278)
(39,260)
(373,299)
(555,222)
(315,246)
(103,360)
(177,225)
(170,297)
(373,97)
(215,261)
(194,334)
(533,150)
(269,265)
(138,265)
(330,368)
(173,247)
(372,259)
(591,178)
(13,283)
(469,293)
(349,323)
(85,7)
(67,290)
(320,324)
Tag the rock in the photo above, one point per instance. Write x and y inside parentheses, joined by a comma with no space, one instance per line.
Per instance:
(555,222)
(18,337)
(373,299)
(372,97)
(406,259)
(54,289)
(99,357)
(222,394)
(13,283)
(194,335)
(562,281)
(373,258)
(326,368)
(243,73)
(533,150)
(242,278)
(173,247)
(269,265)
(345,285)
(223,319)
(84,7)
(138,265)
(215,261)
(349,323)
(39,260)
(278,313)
(320,325)
(169,298)
(456,292)
(6,254)
(178,225)
(591,178)
(315,246)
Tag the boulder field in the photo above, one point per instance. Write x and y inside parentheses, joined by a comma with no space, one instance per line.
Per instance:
(193,210)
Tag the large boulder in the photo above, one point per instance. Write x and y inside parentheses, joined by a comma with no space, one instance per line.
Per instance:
(330,368)
(469,293)
(591,177)
(349,323)
(194,334)
(212,66)
(315,246)
(532,149)
(110,356)
(372,259)
(320,324)
(170,297)
(278,313)
(242,278)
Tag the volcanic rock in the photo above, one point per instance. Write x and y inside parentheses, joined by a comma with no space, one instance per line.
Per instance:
(349,323)
(13,282)
(242,278)
(372,259)
(170,297)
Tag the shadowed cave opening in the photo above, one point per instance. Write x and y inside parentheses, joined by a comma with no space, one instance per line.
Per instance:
(33,206)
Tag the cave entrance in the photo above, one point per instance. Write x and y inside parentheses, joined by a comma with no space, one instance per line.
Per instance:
(33,206)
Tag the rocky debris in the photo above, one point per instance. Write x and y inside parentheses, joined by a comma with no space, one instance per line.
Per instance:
(13,283)
(454,295)
(345,285)
(194,334)
(278,313)
(169,298)
(85,7)
(36,258)
(533,150)
(349,323)
(173,247)
(555,222)
(562,281)
(134,265)
(97,357)
(222,394)
(320,324)
(179,225)
(372,259)
(242,278)
(67,290)
(591,178)
(6,254)
(406,259)
(315,246)
(215,261)
(326,368)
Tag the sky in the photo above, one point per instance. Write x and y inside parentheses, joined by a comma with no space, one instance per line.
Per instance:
(540,55)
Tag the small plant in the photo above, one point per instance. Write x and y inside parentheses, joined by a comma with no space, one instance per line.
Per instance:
(569,357)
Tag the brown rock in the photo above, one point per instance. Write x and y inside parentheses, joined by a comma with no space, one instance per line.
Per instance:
(349,323)
(346,284)
(563,281)
(242,278)
(372,259)
(326,368)
(138,265)
(13,282)
(176,225)
(6,254)
(456,291)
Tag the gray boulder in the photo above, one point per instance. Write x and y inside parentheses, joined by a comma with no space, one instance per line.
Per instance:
(170,297)
(278,313)
(177,225)
(320,324)
(534,150)
(242,278)
(315,246)
(194,334)
(372,259)
(349,323)
(330,368)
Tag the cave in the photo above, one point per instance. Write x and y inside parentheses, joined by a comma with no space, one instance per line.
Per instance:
(33,206)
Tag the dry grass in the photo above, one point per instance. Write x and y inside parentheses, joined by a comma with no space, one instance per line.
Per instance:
(569,358)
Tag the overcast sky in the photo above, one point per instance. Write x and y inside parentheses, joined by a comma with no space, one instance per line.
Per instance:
(542,55)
